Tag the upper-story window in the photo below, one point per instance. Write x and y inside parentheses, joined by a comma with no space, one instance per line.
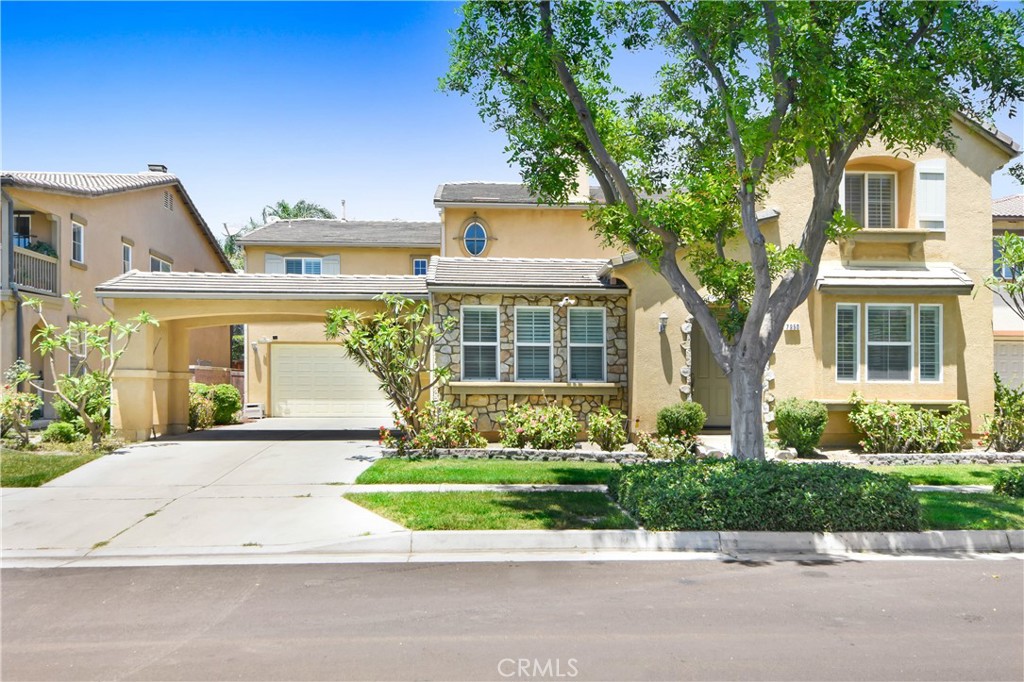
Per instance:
(303,266)
(126,257)
(419,267)
(931,194)
(157,264)
(870,199)
(77,242)
(22,229)
(475,239)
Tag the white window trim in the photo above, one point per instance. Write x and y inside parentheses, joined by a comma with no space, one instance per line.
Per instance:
(487,238)
(302,265)
(895,195)
(131,257)
(938,167)
(426,264)
(941,348)
(550,345)
(603,345)
(170,265)
(81,241)
(463,343)
(868,344)
(856,347)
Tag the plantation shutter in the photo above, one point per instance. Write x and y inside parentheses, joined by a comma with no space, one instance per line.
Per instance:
(847,359)
(930,350)
(853,197)
(533,344)
(931,194)
(881,200)
(273,264)
(479,344)
(889,343)
(331,265)
(586,344)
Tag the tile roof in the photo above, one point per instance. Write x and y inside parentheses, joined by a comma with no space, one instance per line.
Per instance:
(1008,207)
(525,274)
(495,193)
(313,231)
(939,278)
(221,285)
(86,184)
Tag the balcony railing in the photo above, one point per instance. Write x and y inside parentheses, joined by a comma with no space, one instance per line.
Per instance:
(34,271)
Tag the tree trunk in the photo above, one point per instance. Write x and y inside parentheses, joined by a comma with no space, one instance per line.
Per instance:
(746,418)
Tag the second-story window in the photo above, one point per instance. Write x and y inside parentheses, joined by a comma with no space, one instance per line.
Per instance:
(158,264)
(870,199)
(419,267)
(22,229)
(303,266)
(475,239)
(126,257)
(77,242)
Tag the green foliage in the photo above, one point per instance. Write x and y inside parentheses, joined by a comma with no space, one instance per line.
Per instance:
(1011,264)
(396,346)
(226,399)
(17,407)
(800,423)
(1004,431)
(684,419)
(667,447)
(897,427)
(606,430)
(541,427)
(1010,482)
(731,494)
(237,344)
(44,248)
(441,426)
(282,210)
(200,409)
(61,432)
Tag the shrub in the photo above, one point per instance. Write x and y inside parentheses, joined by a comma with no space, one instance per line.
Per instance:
(1010,482)
(61,432)
(606,430)
(200,411)
(542,427)
(800,423)
(896,427)
(682,418)
(440,426)
(17,407)
(1004,431)
(732,494)
(666,447)
(227,401)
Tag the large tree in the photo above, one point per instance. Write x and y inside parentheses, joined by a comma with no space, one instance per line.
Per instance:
(743,94)
(279,210)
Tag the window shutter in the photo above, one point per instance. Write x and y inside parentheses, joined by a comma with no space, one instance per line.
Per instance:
(331,265)
(931,194)
(273,264)
(847,350)
(930,349)
(853,193)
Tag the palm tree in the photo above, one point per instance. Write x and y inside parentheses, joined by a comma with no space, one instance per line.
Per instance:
(282,210)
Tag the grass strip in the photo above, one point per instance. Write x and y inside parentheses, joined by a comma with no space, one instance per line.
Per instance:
(486,471)
(945,474)
(970,511)
(31,470)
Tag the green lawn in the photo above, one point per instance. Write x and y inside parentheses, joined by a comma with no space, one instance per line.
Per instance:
(945,474)
(489,471)
(30,469)
(496,510)
(970,511)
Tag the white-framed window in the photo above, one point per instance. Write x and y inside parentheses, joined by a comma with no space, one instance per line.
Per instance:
(77,242)
(157,264)
(534,347)
(587,350)
(890,342)
(474,238)
(931,194)
(869,199)
(847,342)
(929,347)
(419,267)
(22,229)
(126,257)
(479,333)
(303,266)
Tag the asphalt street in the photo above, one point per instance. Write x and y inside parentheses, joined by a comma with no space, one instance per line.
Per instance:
(882,620)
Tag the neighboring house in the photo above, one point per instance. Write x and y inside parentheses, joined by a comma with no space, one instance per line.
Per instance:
(1007,327)
(547,312)
(72,231)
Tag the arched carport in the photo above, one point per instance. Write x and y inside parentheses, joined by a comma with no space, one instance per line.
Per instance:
(150,385)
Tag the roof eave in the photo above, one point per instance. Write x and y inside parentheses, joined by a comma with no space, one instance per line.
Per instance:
(375,245)
(476,288)
(508,204)
(848,288)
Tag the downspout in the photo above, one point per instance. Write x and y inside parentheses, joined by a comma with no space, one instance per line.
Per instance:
(19,318)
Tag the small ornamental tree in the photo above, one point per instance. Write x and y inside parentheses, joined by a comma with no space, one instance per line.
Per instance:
(1009,283)
(743,94)
(95,350)
(16,407)
(396,346)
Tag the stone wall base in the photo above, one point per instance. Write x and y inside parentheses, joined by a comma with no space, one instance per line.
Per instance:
(944,458)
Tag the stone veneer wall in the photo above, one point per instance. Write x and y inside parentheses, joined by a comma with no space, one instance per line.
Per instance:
(489,404)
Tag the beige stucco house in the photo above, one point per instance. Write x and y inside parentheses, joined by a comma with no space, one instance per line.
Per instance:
(73,231)
(547,311)
(1007,327)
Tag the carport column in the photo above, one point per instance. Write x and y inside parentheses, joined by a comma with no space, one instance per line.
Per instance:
(132,406)
(170,383)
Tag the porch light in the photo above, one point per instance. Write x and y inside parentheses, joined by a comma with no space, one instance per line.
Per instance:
(662,323)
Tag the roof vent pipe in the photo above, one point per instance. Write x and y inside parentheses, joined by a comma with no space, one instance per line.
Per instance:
(343,218)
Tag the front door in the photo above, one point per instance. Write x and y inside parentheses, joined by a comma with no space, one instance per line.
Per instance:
(710,385)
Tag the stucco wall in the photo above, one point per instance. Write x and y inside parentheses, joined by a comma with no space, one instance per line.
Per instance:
(525,233)
(354,260)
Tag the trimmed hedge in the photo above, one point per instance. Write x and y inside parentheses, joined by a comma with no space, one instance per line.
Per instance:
(61,432)
(1010,482)
(683,418)
(800,424)
(227,401)
(731,494)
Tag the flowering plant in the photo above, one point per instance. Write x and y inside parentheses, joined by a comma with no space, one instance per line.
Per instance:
(440,426)
(541,427)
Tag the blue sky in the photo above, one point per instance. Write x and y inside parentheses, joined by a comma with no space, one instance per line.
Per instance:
(252,102)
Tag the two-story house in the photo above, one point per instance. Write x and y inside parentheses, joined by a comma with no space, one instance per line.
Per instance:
(72,231)
(1007,326)
(547,311)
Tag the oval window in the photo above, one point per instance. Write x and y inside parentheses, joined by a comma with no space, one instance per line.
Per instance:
(475,239)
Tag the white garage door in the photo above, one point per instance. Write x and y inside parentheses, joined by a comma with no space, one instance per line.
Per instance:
(319,380)
(1009,362)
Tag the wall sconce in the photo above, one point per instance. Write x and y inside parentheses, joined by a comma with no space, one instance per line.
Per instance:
(662,323)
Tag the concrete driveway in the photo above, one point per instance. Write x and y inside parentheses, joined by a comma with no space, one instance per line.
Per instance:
(270,485)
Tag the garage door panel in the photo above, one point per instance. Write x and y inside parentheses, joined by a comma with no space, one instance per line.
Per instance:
(320,380)
(1009,362)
